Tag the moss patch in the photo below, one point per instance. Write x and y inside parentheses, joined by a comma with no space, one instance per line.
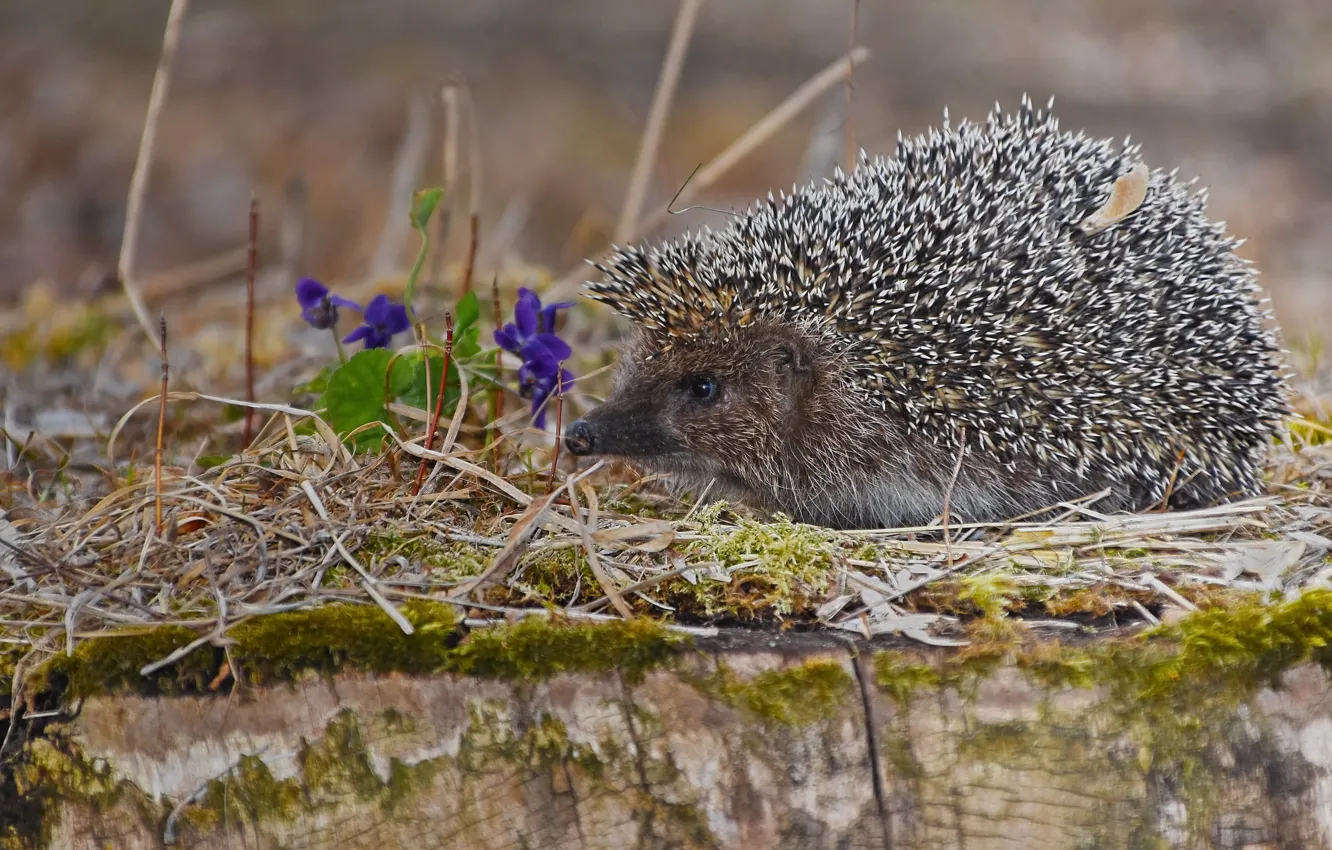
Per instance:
(1176,696)
(536,648)
(793,696)
(280,648)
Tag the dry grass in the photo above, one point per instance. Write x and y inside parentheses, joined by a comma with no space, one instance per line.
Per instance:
(298,521)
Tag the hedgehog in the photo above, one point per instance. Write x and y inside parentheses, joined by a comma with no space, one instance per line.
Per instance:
(1000,318)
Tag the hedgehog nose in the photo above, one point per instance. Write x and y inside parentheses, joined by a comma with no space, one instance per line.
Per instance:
(580,438)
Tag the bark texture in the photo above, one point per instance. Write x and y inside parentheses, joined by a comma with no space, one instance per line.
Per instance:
(739,749)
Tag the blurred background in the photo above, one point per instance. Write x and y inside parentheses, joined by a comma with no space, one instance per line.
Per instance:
(312,103)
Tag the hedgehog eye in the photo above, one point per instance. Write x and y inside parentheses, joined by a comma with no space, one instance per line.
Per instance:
(701,387)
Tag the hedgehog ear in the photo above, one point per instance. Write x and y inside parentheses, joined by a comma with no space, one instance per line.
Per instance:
(791,358)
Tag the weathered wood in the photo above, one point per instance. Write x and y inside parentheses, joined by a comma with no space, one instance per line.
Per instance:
(732,749)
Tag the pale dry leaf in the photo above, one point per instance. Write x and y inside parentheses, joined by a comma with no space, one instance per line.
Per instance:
(1266,560)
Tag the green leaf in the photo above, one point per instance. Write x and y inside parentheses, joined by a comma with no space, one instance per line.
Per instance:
(466,344)
(422,396)
(316,385)
(355,393)
(424,202)
(469,308)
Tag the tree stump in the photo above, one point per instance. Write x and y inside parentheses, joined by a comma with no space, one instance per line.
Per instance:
(753,740)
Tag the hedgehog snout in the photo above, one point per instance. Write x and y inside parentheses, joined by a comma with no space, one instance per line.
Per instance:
(580,438)
(626,428)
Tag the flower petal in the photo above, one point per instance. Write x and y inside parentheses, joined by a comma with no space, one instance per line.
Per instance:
(346,302)
(558,348)
(361,332)
(507,338)
(525,317)
(310,292)
(538,359)
(395,319)
(376,311)
(548,315)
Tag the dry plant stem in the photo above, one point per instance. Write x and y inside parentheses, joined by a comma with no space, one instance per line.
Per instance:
(763,129)
(559,424)
(948,500)
(850,92)
(652,131)
(468,268)
(129,241)
(249,319)
(439,400)
(756,135)
(593,561)
(496,392)
(161,424)
(449,99)
(1170,484)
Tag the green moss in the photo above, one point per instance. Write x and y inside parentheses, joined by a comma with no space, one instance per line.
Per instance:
(549,575)
(537,648)
(901,678)
(1176,695)
(112,665)
(790,570)
(336,637)
(447,560)
(792,696)
(280,648)
(49,772)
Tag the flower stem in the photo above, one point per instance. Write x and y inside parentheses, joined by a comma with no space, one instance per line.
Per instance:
(439,400)
(410,292)
(342,355)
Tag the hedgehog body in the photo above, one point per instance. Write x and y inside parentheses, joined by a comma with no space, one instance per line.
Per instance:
(943,325)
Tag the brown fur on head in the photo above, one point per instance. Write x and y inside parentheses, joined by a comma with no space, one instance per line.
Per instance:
(768,416)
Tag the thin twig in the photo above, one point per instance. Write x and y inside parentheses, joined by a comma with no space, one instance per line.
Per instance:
(649,144)
(439,399)
(249,319)
(161,424)
(129,240)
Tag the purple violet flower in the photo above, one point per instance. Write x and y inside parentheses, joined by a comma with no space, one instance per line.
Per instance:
(531,335)
(540,388)
(383,320)
(319,307)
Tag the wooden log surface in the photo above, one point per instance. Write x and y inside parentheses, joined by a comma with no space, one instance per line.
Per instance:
(740,743)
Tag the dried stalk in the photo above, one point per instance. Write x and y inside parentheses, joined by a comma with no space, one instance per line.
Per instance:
(129,241)
(648,146)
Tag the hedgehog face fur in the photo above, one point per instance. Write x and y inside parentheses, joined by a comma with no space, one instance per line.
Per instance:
(944,325)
